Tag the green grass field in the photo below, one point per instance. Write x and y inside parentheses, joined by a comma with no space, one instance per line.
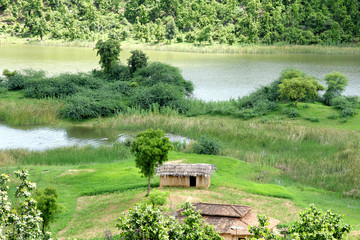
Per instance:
(94,194)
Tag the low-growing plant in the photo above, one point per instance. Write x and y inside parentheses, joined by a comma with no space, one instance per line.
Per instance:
(207,146)
(291,112)
(312,119)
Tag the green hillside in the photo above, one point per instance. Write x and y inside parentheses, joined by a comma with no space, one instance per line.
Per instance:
(330,22)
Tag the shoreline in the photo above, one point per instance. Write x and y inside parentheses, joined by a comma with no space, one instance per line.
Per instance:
(191,48)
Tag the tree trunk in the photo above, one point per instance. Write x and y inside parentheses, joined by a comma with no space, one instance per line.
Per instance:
(148,186)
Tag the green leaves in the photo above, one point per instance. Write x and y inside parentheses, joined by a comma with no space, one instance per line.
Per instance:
(23,220)
(314,224)
(151,150)
(146,222)
(109,52)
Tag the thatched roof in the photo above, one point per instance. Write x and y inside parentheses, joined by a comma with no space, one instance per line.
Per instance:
(183,169)
(222,210)
(228,218)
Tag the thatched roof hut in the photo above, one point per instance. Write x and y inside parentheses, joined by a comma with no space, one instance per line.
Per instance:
(231,221)
(185,175)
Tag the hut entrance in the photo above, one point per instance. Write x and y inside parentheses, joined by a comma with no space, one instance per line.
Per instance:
(192,181)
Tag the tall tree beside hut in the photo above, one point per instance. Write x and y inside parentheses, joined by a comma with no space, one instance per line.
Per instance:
(151,150)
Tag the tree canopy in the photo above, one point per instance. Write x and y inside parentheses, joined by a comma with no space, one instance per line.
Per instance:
(109,52)
(247,21)
(299,88)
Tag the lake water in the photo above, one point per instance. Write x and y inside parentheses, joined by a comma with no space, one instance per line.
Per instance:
(216,76)
(42,138)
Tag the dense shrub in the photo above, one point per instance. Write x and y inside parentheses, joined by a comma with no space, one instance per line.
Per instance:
(92,104)
(18,80)
(162,94)
(117,73)
(291,112)
(162,73)
(206,145)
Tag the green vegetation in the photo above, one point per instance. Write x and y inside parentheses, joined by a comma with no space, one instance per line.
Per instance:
(315,224)
(95,194)
(148,222)
(20,220)
(150,149)
(47,204)
(195,21)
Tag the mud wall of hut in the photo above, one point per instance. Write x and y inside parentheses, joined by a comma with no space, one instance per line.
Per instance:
(182,181)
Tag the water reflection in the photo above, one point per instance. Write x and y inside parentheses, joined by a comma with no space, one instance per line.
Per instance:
(43,138)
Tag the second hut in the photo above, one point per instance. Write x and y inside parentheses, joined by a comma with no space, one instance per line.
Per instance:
(185,175)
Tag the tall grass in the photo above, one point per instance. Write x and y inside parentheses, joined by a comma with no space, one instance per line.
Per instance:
(25,113)
(318,157)
(66,156)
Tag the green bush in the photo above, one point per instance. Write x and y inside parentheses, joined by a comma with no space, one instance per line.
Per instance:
(89,104)
(291,112)
(18,81)
(207,146)
(312,119)
(348,112)
(117,73)
(162,94)
(157,72)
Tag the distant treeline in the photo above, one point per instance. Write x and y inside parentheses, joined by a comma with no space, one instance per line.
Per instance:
(304,22)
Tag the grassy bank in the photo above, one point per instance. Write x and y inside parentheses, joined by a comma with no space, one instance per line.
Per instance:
(17,111)
(323,153)
(190,47)
(320,157)
(95,193)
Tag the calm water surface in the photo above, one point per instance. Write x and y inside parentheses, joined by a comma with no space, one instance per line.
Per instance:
(42,138)
(216,76)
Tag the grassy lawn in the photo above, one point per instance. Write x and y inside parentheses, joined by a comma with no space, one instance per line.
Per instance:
(95,194)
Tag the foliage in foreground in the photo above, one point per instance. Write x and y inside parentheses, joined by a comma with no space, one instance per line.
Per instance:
(314,224)
(22,221)
(147,222)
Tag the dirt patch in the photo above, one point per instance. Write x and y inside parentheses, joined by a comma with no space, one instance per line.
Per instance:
(76,172)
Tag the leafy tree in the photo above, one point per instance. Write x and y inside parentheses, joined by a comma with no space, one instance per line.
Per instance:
(109,52)
(151,150)
(262,231)
(314,224)
(147,222)
(299,88)
(137,60)
(47,203)
(23,220)
(336,83)
(170,29)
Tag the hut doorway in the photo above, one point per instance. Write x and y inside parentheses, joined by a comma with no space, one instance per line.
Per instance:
(192,181)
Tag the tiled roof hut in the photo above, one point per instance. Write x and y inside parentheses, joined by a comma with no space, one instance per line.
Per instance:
(230,221)
(185,175)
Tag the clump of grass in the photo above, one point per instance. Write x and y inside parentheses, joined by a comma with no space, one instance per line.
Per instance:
(312,119)
(29,112)
(68,155)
